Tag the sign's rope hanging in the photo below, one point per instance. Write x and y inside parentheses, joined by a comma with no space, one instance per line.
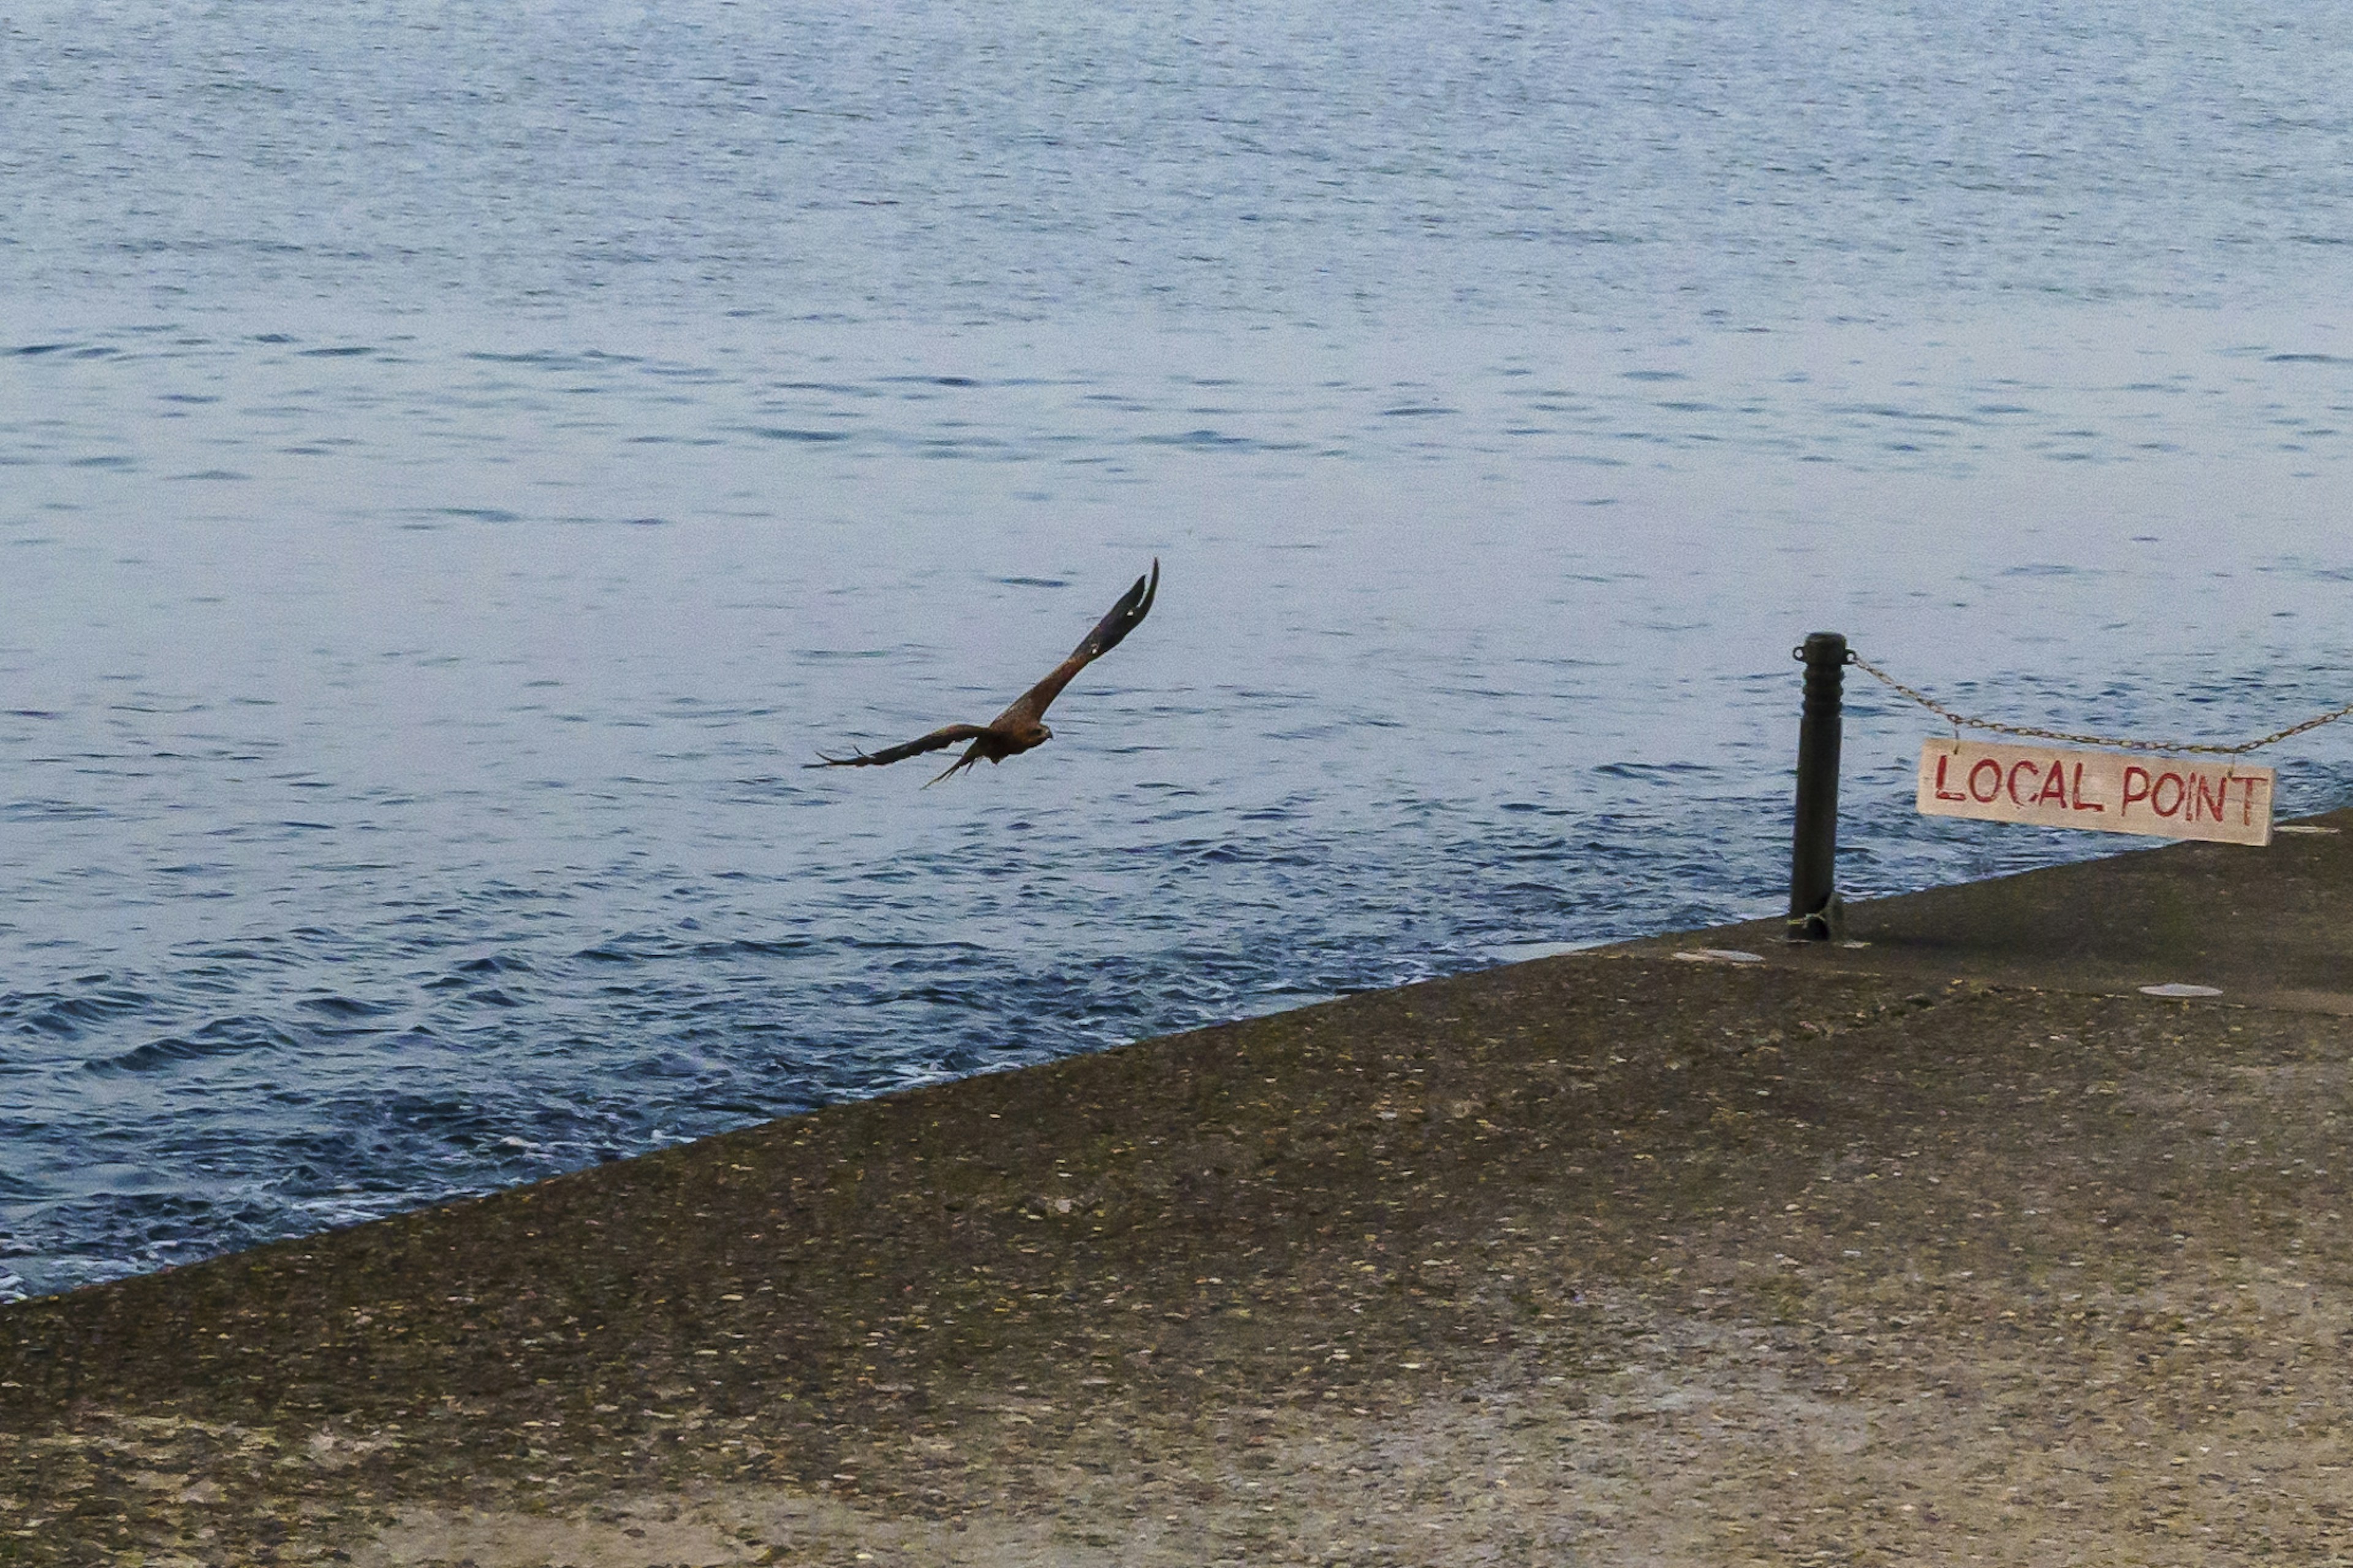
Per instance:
(2203,748)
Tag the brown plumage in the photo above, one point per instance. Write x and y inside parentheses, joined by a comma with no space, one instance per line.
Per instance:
(1022,726)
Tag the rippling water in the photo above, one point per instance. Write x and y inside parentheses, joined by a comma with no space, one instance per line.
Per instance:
(459,463)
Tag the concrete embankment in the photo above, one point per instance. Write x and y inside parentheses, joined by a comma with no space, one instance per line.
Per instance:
(1952,1246)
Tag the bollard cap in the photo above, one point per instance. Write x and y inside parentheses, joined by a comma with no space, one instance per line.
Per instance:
(1822,648)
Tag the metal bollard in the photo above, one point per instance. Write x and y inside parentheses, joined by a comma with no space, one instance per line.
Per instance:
(1815,912)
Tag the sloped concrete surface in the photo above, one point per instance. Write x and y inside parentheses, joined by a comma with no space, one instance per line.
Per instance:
(1952,1248)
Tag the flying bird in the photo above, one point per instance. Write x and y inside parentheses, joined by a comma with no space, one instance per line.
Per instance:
(1022,726)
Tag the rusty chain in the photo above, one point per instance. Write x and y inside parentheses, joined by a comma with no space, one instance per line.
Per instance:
(2112,743)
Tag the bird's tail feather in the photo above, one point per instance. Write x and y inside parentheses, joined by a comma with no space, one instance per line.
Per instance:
(971,755)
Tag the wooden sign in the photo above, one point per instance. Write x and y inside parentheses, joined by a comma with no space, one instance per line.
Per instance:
(2225,801)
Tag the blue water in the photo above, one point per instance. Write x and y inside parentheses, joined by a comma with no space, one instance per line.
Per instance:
(457,463)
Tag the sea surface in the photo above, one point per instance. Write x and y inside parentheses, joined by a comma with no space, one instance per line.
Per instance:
(459,462)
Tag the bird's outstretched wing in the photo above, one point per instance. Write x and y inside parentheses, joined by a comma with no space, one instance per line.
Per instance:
(947,736)
(1125,617)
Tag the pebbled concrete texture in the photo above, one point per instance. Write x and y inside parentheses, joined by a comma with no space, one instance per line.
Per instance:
(2267,927)
(1952,1248)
